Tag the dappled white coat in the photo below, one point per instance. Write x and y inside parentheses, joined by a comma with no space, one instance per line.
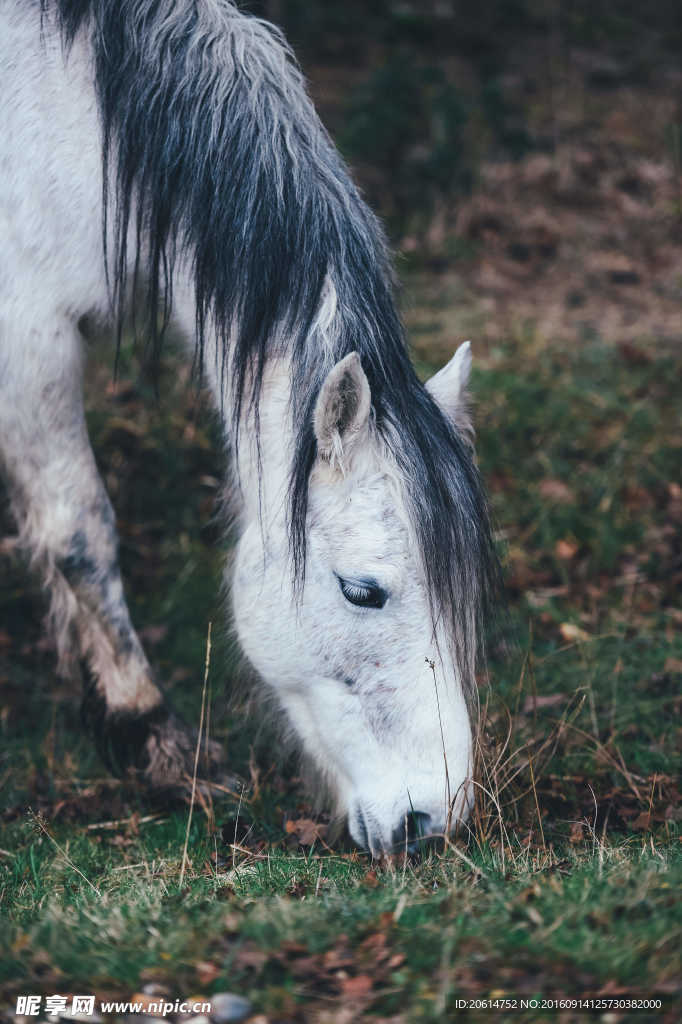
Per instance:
(373,698)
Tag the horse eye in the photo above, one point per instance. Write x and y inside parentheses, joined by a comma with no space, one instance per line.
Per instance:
(364,593)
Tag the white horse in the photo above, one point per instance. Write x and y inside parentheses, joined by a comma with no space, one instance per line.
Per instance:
(171,147)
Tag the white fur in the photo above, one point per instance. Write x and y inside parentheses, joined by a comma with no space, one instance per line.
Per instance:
(355,684)
(377,741)
(450,388)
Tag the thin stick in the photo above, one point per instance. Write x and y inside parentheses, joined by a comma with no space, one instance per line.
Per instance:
(537,805)
(196,754)
(210,813)
(236,823)
(432,666)
(156,818)
(462,856)
(43,828)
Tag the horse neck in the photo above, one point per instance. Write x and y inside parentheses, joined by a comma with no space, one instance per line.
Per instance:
(263,456)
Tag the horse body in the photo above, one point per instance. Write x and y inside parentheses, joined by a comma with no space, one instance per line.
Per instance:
(364,548)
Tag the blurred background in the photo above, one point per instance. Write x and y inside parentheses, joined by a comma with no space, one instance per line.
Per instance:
(527,150)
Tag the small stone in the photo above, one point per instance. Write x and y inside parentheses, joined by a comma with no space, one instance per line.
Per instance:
(153,988)
(227,1008)
(67,1015)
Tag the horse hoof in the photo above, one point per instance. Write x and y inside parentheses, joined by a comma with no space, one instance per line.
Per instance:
(170,755)
(158,748)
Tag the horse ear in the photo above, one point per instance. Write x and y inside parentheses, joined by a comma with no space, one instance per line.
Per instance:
(450,389)
(342,410)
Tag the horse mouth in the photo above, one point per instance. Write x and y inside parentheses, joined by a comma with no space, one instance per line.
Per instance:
(414,835)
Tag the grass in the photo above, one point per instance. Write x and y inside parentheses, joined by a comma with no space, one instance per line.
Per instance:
(568,883)
(289,927)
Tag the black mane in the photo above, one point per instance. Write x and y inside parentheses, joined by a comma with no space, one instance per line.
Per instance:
(215,154)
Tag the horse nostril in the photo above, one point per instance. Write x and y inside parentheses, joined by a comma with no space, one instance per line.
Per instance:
(414,825)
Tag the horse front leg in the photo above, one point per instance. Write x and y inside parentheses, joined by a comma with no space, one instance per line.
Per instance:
(122,704)
(67,526)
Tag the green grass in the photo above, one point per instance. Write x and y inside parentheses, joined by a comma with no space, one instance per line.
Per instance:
(548,928)
(569,882)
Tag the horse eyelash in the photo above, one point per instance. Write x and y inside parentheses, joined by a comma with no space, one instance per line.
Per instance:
(359,593)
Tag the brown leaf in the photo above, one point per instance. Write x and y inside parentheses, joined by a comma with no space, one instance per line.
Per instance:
(642,821)
(254,958)
(577,832)
(556,490)
(294,947)
(547,701)
(207,971)
(339,957)
(565,550)
(374,947)
(673,666)
(375,941)
(357,987)
(304,966)
(630,353)
(306,830)
(125,426)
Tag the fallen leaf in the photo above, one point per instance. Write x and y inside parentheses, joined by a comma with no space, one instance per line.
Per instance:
(673,665)
(375,941)
(306,830)
(254,958)
(556,490)
(357,987)
(339,957)
(572,633)
(125,426)
(304,966)
(565,550)
(207,972)
(630,353)
(547,701)
(577,832)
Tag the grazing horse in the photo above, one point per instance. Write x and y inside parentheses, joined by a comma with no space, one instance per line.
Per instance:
(168,148)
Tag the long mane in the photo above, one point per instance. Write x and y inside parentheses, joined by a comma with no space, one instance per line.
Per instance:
(213,154)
